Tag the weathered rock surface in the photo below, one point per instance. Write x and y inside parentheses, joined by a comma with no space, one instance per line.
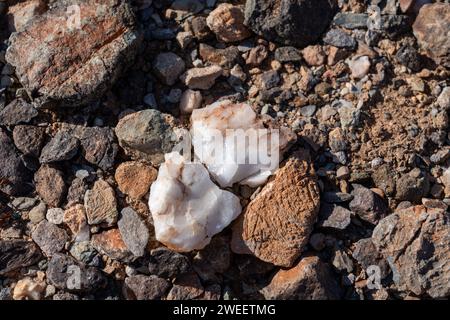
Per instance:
(101,204)
(110,243)
(134,232)
(142,287)
(29,139)
(13,174)
(61,147)
(202,78)
(50,185)
(227,22)
(135,178)
(187,207)
(368,205)
(82,74)
(298,23)
(415,241)
(17,112)
(15,254)
(276,225)
(168,67)
(310,279)
(167,264)
(431,29)
(50,238)
(147,134)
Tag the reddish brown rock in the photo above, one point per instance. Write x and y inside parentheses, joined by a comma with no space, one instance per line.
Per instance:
(101,46)
(314,55)
(75,219)
(432,28)
(135,178)
(186,287)
(50,185)
(310,279)
(101,204)
(20,13)
(276,225)
(415,243)
(111,244)
(227,22)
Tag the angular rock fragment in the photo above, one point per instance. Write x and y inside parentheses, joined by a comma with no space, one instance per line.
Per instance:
(142,287)
(110,243)
(187,208)
(167,264)
(276,224)
(310,279)
(50,238)
(51,73)
(61,147)
(147,134)
(135,178)
(21,12)
(16,112)
(29,139)
(168,67)
(366,254)
(368,205)
(339,39)
(190,100)
(431,29)
(15,254)
(227,22)
(298,23)
(75,218)
(234,144)
(288,54)
(414,241)
(101,204)
(202,78)
(335,217)
(13,174)
(186,287)
(134,232)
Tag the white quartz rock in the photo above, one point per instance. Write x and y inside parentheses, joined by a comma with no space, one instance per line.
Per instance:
(250,153)
(187,207)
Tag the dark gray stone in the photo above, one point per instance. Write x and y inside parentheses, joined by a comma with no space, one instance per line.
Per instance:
(368,205)
(288,54)
(16,112)
(50,238)
(134,231)
(167,264)
(15,254)
(29,139)
(340,39)
(141,287)
(409,57)
(61,147)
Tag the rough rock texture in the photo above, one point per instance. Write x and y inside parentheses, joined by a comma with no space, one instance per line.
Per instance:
(134,232)
(75,218)
(15,254)
(227,22)
(50,238)
(29,139)
(22,12)
(187,207)
(147,134)
(135,178)
(167,264)
(13,174)
(101,204)
(202,78)
(368,205)
(16,112)
(142,287)
(50,72)
(415,241)
(168,67)
(298,23)
(276,225)
(431,28)
(50,185)
(310,279)
(61,147)
(110,243)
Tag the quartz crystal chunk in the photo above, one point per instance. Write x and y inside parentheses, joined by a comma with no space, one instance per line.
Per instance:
(187,207)
(234,144)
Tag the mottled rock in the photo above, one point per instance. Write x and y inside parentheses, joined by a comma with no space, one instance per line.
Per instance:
(75,219)
(16,112)
(65,273)
(186,287)
(298,23)
(13,174)
(310,279)
(141,287)
(110,243)
(350,20)
(37,214)
(50,72)
(359,66)
(365,253)
(135,178)
(50,185)
(276,225)
(288,54)
(61,147)
(147,134)
(190,100)
(29,289)
(168,67)
(167,264)
(414,241)
(339,39)
(368,205)
(55,215)
(15,254)
(226,58)
(29,139)
(134,232)
(412,186)
(202,78)
(444,98)
(50,238)
(335,217)
(409,57)
(22,12)
(314,55)
(431,29)
(227,22)
(101,204)
(384,178)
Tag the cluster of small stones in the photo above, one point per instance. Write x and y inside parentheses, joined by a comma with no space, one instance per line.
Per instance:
(87,116)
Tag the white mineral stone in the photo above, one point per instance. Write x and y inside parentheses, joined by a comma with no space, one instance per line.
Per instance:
(234,144)
(187,207)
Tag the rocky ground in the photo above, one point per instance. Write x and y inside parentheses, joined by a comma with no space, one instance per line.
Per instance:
(90,106)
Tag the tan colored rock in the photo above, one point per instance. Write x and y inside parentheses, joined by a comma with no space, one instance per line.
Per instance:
(415,242)
(276,225)
(110,243)
(22,12)
(190,100)
(446,181)
(72,55)
(314,55)
(28,289)
(227,22)
(432,28)
(202,78)
(75,219)
(50,185)
(135,178)
(310,279)
(101,204)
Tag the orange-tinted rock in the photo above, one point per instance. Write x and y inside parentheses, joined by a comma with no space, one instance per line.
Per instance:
(75,218)
(72,61)
(310,279)
(276,225)
(227,22)
(50,185)
(101,204)
(20,13)
(431,28)
(135,178)
(111,244)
